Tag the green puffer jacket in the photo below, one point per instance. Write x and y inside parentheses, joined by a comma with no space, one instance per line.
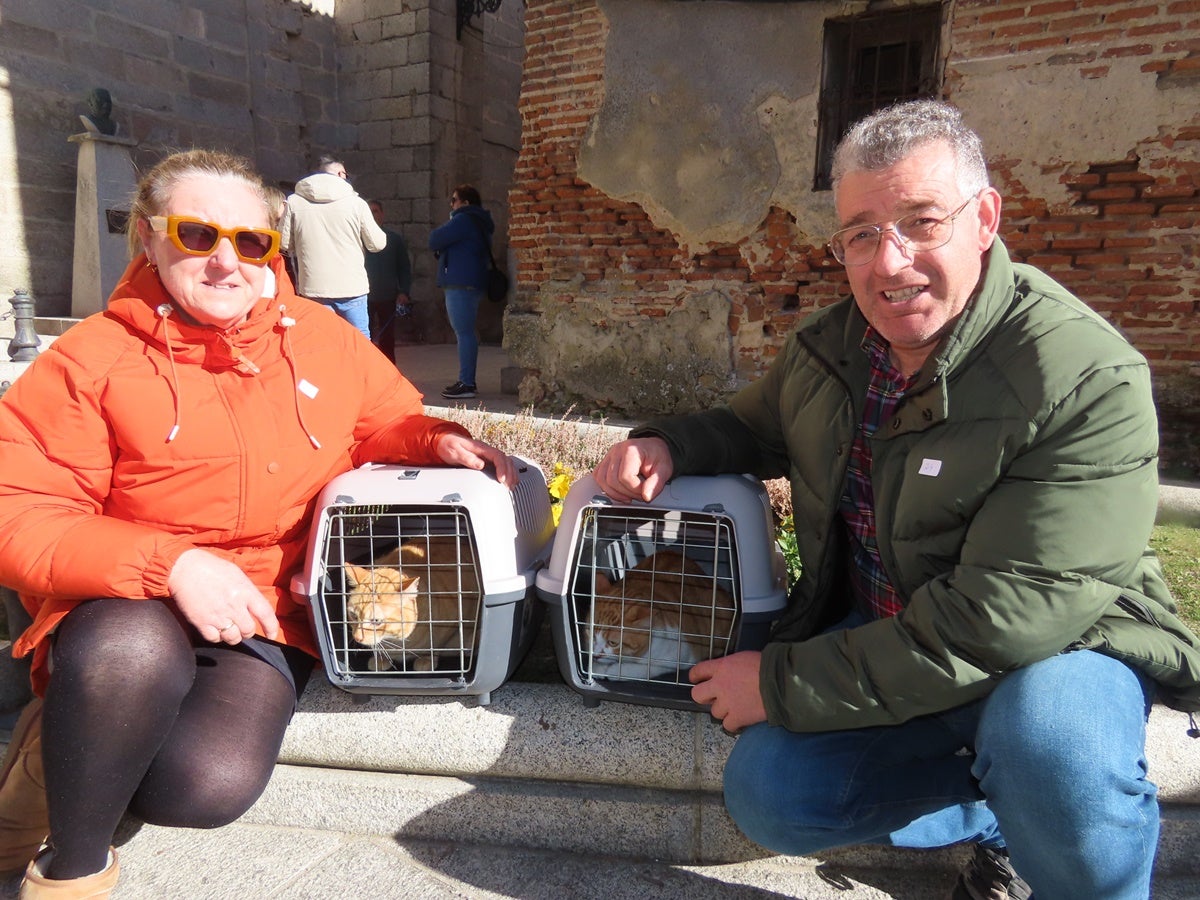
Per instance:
(1015,492)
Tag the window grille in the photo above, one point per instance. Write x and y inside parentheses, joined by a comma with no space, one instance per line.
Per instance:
(869,62)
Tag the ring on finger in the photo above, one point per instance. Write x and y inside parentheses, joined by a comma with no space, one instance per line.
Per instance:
(232,624)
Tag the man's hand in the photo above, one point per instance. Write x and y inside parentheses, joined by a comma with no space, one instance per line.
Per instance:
(455,450)
(729,687)
(218,599)
(636,469)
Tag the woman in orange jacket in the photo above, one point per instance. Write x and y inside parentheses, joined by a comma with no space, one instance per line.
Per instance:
(157,469)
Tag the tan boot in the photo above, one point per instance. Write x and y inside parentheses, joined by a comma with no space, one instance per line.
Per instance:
(24,822)
(36,886)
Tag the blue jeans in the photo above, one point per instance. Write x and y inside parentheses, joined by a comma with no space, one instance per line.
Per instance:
(1051,764)
(462,306)
(353,310)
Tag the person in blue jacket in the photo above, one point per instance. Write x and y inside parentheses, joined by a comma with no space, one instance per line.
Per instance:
(463,250)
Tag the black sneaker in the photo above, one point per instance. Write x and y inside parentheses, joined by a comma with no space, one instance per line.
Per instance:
(459,391)
(988,875)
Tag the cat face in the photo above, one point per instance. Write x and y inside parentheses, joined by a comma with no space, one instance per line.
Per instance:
(618,629)
(381,604)
(418,622)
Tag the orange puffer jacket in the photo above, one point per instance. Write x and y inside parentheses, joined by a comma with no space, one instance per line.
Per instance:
(137,436)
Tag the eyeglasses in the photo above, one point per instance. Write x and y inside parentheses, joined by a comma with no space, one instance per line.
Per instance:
(196,237)
(925,230)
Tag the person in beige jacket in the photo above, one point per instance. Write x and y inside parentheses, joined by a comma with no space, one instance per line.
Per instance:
(327,229)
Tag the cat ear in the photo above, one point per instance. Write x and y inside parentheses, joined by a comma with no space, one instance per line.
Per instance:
(602,582)
(410,584)
(355,575)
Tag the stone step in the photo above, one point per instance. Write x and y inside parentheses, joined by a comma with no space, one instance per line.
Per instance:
(538,769)
(387,796)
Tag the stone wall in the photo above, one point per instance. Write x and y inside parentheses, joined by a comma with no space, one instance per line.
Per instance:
(410,105)
(257,77)
(655,186)
(434,109)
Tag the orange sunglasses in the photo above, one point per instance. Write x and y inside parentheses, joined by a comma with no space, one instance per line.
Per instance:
(196,237)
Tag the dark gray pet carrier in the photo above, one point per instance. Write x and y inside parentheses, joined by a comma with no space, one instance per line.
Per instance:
(420,580)
(639,592)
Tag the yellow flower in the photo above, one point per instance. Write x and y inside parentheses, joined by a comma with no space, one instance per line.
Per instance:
(559,484)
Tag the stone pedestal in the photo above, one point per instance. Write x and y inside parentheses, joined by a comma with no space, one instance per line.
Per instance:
(104,187)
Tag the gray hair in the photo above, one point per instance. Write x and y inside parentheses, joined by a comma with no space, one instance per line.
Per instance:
(889,135)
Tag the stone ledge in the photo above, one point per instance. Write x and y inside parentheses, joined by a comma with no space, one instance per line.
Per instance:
(534,731)
(539,769)
(543,732)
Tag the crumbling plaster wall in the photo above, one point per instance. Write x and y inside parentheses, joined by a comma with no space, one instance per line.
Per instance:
(1040,112)
(709,116)
(706,121)
(671,363)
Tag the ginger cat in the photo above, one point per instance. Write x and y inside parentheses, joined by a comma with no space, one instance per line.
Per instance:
(413,619)
(664,616)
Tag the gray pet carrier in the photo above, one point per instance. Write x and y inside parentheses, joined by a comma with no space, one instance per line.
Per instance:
(420,580)
(639,592)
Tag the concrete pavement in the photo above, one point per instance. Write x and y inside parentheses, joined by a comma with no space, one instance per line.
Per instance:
(242,861)
(431,367)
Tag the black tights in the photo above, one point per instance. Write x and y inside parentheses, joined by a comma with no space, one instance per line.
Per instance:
(137,718)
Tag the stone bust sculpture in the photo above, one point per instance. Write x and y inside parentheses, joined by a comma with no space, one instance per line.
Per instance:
(100,119)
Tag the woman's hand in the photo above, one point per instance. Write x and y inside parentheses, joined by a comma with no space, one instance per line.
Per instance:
(468,453)
(218,599)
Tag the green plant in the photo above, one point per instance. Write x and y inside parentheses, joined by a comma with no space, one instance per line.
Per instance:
(1178,549)
(785,537)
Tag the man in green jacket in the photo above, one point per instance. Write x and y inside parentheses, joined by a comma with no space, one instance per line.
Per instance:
(979,631)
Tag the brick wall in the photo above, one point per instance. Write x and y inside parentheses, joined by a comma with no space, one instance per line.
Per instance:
(1126,238)
(1119,229)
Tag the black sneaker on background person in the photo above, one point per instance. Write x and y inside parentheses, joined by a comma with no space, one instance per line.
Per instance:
(459,391)
(988,875)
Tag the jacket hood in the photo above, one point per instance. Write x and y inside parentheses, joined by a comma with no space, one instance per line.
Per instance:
(324,188)
(482,215)
(143,306)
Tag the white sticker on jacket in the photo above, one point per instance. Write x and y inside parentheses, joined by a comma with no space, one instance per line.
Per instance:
(930,467)
(307,388)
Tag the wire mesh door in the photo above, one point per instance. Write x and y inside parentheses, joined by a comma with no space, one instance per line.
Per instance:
(652,594)
(401,592)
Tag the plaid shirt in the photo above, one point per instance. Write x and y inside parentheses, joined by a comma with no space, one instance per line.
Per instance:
(874,594)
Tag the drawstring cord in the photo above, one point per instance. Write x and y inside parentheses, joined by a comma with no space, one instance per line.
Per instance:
(164,310)
(286,322)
